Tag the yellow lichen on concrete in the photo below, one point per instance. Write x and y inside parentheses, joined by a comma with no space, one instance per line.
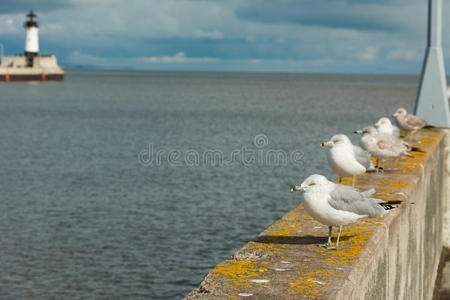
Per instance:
(349,248)
(269,249)
(307,283)
(238,272)
(292,215)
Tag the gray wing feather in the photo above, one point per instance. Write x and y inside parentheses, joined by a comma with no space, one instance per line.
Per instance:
(396,132)
(363,157)
(350,199)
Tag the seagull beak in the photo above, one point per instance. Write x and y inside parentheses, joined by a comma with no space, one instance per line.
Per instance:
(358,131)
(325,144)
(297,188)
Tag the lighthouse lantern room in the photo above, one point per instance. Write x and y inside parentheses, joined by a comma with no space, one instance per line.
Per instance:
(32,38)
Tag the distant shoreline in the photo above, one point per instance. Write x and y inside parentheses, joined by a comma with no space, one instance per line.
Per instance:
(113,69)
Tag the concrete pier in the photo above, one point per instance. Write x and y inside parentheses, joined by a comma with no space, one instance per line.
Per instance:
(392,257)
(45,67)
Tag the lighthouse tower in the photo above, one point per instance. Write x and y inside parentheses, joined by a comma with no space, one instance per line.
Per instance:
(32,38)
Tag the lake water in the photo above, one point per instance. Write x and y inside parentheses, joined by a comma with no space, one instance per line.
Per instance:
(123,184)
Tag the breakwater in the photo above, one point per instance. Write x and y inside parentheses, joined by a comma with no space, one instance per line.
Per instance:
(393,257)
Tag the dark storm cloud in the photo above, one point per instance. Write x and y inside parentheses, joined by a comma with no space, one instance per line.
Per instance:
(21,6)
(360,15)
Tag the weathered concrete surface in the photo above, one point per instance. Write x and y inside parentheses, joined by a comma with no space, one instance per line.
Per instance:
(442,288)
(444,292)
(393,257)
(44,67)
(447,195)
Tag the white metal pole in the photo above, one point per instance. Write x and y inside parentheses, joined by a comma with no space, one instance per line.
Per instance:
(432,102)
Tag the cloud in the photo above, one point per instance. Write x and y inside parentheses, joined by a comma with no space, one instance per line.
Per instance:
(77,57)
(300,35)
(9,24)
(180,57)
(405,54)
(215,35)
(369,54)
(24,6)
(360,15)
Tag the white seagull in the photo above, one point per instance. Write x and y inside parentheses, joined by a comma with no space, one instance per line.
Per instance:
(385,127)
(381,149)
(337,205)
(346,159)
(389,133)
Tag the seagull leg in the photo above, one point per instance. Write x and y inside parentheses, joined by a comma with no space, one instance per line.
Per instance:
(339,235)
(328,244)
(330,229)
(340,179)
(413,139)
(408,136)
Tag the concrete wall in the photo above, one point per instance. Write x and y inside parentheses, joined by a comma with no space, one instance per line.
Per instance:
(17,65)
(391,257)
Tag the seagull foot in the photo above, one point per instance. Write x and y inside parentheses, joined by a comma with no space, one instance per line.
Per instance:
(327,246)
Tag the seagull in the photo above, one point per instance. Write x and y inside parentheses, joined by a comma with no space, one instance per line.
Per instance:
(385,127)
(389,133)
(346,159)
(407,122)
(336,205)
(380,149)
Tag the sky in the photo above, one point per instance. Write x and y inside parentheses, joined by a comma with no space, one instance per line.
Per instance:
(320,36)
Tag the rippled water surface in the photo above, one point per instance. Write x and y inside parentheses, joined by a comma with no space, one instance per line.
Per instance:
(135,184)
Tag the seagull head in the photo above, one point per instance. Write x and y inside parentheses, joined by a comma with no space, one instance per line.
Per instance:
(383,122)
(370,130)
(401,112)
(312,183)
(338,139)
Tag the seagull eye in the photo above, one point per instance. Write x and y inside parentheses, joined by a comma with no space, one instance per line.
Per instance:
(312,183)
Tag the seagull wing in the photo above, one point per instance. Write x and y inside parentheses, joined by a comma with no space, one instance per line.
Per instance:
(385,145)
(349,199)
(414,121)
(395,148)
(362,156)
(396,131)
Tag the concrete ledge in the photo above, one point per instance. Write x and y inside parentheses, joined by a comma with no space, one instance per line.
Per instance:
(29,77)
(44,68)
(393,257)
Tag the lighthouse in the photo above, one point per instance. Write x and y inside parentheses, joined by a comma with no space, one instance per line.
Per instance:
(31,65)
(32,38)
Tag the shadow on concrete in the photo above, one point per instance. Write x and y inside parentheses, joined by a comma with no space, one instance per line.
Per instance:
(300,240)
